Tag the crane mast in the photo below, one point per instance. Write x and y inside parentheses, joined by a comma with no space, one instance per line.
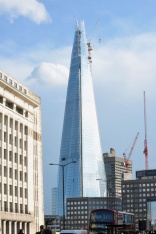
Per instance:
(145,140)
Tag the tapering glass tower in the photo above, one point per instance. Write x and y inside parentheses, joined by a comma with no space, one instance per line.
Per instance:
(80,136)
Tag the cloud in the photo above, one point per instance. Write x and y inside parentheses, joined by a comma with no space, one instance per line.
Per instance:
(31,9)
(49,73)
(126,65)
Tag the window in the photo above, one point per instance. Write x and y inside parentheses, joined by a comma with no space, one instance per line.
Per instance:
(21,159)
(11,123)
(10,189)
(5,137)
(10,81)
(26,114)
(26,209)
(21,144)
(10,155)
(25,145)
(21,176)
(15,157)
(5,189)
(15,84)
(16,207)
(10,139)
(5,154)
(24,91)
(10,172)
(0,75)
(19,110)
(5,78)
(21,192)
(15,141)
(20,88)
(16,125)
(5,171)
(21,210)
(15,174)
(21,128)
(11,208)
(25,163)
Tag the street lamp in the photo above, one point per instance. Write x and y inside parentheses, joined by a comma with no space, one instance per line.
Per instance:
(107,182)
(63,203)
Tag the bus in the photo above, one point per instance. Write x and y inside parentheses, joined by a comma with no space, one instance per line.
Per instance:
(107,221)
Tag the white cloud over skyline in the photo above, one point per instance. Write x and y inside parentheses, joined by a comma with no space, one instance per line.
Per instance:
(32,9)
(49,74)
(128,61)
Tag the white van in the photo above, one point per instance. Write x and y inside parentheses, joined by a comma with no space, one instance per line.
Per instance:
(73,232)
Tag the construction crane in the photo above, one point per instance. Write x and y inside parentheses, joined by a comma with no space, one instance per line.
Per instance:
(90,48)
(145,141)
(126,159)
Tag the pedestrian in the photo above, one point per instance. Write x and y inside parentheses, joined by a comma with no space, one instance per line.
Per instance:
(21,231)
(41,230)
(46,231)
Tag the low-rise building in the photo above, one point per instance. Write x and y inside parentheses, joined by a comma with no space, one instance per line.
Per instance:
(78,209)
(137,194)
(52,222)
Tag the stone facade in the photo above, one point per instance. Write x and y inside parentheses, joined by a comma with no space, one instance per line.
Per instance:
(21,177)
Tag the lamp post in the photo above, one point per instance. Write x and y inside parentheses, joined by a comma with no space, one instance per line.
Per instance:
(107,182)
(63,203)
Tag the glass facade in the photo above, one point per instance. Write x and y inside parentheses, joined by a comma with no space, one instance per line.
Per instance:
(80,136)
(151,215)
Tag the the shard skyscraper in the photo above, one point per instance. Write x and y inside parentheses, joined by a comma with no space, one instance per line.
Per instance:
(80,136)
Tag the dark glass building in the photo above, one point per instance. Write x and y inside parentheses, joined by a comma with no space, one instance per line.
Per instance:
(138,196)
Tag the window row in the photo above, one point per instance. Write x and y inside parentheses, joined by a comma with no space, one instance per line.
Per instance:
(10,123)
(14,207)
(77,212)
(20,159)
(77,207)
(13,83)
(77,202)
(18,191)
(136,186)
(18,175)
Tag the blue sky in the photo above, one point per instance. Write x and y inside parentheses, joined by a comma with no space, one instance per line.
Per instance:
(35,48)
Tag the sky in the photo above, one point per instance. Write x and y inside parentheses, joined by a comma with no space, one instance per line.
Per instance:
(36,39)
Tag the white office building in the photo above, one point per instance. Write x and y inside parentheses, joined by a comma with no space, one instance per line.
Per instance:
(21,176)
